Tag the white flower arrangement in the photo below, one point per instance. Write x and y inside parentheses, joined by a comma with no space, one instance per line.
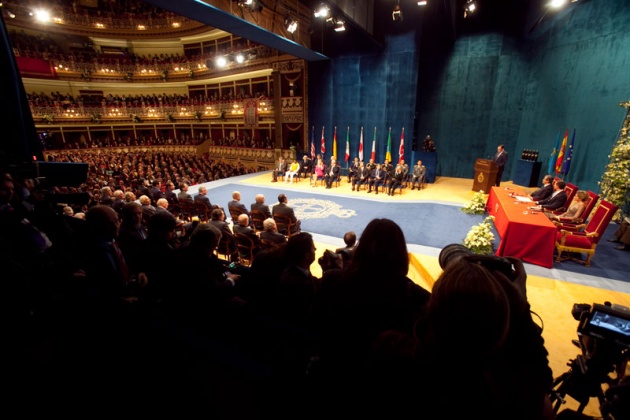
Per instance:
(479,238)
(477,205)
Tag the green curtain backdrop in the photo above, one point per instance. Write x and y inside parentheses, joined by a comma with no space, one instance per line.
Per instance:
(569,72)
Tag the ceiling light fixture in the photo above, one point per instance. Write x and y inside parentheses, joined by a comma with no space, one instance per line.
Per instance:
(340,26)
(290,23)
(422,3)
(397,15)
(322,11)
(470,7)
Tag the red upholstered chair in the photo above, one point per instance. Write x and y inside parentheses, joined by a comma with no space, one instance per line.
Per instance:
(585,241)
(570,190)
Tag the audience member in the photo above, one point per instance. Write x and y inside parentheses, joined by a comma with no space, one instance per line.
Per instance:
(132,233)
(622,235)
(236,205)
(243,228)
(202,196)
(271,233)
(217,219)
(283,209)
(350,239)
(260,205)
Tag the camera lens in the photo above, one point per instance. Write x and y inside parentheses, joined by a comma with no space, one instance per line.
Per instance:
(452,253)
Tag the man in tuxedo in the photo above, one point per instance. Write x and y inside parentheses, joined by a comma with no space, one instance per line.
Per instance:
(545,191)
(283,209)
(500,159)
(280,170)
(556,200)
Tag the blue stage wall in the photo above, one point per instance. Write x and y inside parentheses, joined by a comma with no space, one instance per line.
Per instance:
(571,71)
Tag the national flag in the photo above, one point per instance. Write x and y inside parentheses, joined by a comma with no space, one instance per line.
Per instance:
(373,155)
(554,156)
(313,143)
(348,144)
(569,154)
(334,151)
(388,154)
(361,146)
(401,149)
(323,147)
(563,146)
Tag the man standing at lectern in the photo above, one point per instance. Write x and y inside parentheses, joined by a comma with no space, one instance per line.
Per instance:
(500,159)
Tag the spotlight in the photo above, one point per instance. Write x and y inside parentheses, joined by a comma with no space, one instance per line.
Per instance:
(291,24)
(422,3)
(322,11)
(240,58)
(397,15)
(470,7)
(340,26)
(221,61)
(330,21)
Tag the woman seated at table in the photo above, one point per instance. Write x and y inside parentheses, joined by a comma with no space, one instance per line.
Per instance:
(575,211)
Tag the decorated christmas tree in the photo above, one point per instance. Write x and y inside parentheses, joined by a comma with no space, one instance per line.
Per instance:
(615,183)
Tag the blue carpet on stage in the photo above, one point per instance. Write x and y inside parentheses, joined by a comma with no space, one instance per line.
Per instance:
(428,224)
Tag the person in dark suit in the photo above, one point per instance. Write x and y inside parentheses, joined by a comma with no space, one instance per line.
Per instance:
(333,172)
(500,158)
(544,191)
(242,228)
(378,176)
(171,196)
(183,194)
(396,180)
(306,168)
(279,170)
(350,239)
(217,219)
(354,168)
(260,205)
(283,209)
(155,192)
(203,197)
(236,204)
(271,233)
(360,177)
(556,200)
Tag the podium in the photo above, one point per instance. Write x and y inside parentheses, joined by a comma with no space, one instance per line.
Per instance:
(527,173)
(485,175)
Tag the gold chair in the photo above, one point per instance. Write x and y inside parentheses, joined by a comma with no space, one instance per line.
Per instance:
(258,217)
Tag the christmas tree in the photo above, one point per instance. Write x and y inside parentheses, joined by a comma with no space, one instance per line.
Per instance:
(615,183)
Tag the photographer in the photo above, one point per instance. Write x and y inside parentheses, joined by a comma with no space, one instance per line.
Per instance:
(476,352)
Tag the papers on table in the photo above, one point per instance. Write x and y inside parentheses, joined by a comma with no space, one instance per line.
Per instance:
(523,199)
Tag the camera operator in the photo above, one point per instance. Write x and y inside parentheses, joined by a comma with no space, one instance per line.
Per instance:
(476,352)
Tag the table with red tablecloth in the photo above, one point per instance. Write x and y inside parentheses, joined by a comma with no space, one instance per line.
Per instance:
(525,235)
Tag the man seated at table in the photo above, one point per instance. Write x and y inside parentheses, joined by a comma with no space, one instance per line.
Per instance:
(555,201)
(545,191)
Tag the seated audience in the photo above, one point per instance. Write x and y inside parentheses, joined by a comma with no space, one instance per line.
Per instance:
(283,209)
(271,233)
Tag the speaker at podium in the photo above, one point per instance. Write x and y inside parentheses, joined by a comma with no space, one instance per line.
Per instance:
(485,175)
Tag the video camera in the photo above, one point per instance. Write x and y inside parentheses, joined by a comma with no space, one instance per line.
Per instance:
(604,338)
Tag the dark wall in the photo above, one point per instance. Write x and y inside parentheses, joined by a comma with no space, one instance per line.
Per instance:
(373,90)
(569,72)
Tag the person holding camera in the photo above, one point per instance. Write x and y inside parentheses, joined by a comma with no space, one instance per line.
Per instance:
(476,351)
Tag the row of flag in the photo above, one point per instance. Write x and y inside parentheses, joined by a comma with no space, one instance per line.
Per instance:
(388,154)
(560,158)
